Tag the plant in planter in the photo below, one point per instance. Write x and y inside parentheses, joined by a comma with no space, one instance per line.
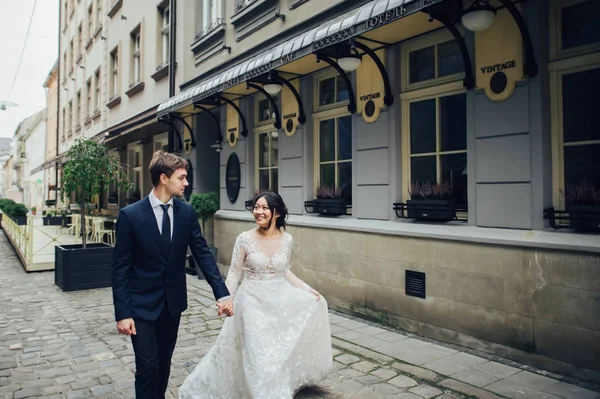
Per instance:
(89,169)
(52,218)
(431,201)
(329,201)
(18,213)
(33,210)
(206,205)
(583,204)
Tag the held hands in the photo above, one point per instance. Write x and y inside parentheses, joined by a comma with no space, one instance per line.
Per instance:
(315,293)
(126,327)
(225,307)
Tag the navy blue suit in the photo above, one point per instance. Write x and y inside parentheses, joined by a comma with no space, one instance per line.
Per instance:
(149,285)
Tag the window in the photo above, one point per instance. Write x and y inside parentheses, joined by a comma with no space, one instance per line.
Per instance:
(98,14)
(113,189)
(334,154)
(70,131)
(72,55)
(134,169)
(437,142)
(78,108)
(64,67)
(165,16)
(136,56)
(64,123)
(161,142)
(97,86)
(574,82)
(212,15)
(434,129)
(114,67)
(88,91)
(574,28)
(79,42)
(267,172)
(431,61)
(331,90)
(265,111)
(90,21)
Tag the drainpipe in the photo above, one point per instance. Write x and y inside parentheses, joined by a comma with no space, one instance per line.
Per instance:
(172,39)
(57,105)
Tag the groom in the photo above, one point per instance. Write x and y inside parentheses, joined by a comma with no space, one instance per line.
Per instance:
(149,280)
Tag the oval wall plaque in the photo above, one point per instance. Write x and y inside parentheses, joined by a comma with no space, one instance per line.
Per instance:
(232,177)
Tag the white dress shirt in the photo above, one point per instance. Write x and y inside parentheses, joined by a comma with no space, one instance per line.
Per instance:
(158,214)
(158,211)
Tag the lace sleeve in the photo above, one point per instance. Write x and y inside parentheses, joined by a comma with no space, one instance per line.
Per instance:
(237,266)
(289,276)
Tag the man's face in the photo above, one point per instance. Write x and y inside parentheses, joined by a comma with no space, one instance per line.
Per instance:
(177,183)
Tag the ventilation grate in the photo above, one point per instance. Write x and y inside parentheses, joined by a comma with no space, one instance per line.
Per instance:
(415,283)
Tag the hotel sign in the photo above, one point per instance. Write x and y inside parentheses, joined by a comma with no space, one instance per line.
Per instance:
(385,17)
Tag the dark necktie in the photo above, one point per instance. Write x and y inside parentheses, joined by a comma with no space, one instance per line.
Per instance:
(166,226)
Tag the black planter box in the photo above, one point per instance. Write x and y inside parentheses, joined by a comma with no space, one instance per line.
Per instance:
(21,220)
(52,220)
(431,209)
(66,221)
(76,268)
(584,217)
(329,206)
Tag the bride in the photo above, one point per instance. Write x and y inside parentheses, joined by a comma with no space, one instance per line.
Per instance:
(278,341)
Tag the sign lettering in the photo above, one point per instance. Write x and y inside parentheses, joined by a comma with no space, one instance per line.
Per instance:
(386,17)
(370,96)
(498,67)
(287,58)
(289,116)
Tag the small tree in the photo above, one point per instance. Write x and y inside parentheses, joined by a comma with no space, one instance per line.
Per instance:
(89,170)
(205,205)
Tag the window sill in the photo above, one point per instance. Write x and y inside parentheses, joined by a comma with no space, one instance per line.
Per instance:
(114,8)
(113,102)
(88,122)
(458,232)
(79,58)
(96,115)
(209,45)
(162,71)
(88,44)
(77,128)
(253,17)
(296,3)
(135,89)
(98,31)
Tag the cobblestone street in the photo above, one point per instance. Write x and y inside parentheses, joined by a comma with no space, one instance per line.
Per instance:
(59,345)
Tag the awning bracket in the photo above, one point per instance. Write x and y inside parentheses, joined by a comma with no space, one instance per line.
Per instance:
(277,123)
(301,115)
(244,131)
(342,73)
(168,121)
(530,68)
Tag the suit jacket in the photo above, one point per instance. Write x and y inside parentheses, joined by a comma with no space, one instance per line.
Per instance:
(146,273)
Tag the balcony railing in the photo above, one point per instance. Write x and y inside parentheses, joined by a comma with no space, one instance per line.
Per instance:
(241,4)
(209,28)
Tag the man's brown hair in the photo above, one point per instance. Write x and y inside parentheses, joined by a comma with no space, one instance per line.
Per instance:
(167,163)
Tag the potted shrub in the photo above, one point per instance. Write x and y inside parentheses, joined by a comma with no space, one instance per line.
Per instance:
(88,170)
(329,201)
(33,210)
(18,213)
(430,201)
(583,204)
(206,205)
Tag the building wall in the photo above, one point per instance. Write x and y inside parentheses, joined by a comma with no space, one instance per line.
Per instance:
(530,304)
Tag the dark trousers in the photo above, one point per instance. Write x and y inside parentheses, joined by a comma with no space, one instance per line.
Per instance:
(153,346)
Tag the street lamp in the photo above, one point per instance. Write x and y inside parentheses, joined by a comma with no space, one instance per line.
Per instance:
(272,85)
(350,62)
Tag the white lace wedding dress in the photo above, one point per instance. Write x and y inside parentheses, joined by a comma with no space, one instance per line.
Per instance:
(278,340)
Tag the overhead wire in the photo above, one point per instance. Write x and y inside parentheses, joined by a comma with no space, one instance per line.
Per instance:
(12,86)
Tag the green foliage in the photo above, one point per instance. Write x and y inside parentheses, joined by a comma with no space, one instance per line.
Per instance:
(90,167)
(205,205)
(18,210)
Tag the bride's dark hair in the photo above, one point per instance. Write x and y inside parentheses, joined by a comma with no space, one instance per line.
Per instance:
(275,204)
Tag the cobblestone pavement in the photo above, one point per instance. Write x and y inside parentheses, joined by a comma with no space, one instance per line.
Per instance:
(59,345)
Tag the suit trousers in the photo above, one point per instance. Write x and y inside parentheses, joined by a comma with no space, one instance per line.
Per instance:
(153,346)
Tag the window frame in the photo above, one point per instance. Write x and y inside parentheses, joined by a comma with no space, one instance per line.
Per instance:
(115,65)
(89,104)
(258,97)
(434,39)
(160,139)
(165,32)
(97,91)
(328,73)
(556,51)
(136,56)
(113,205)
(258,132)
(135,146)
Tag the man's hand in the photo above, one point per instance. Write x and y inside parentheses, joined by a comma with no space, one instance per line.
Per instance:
(126,327)
(225,307)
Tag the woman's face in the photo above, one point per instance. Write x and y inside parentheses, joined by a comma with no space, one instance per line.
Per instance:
(262,213)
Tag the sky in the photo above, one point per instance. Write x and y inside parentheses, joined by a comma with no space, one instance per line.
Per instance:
(39,55)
